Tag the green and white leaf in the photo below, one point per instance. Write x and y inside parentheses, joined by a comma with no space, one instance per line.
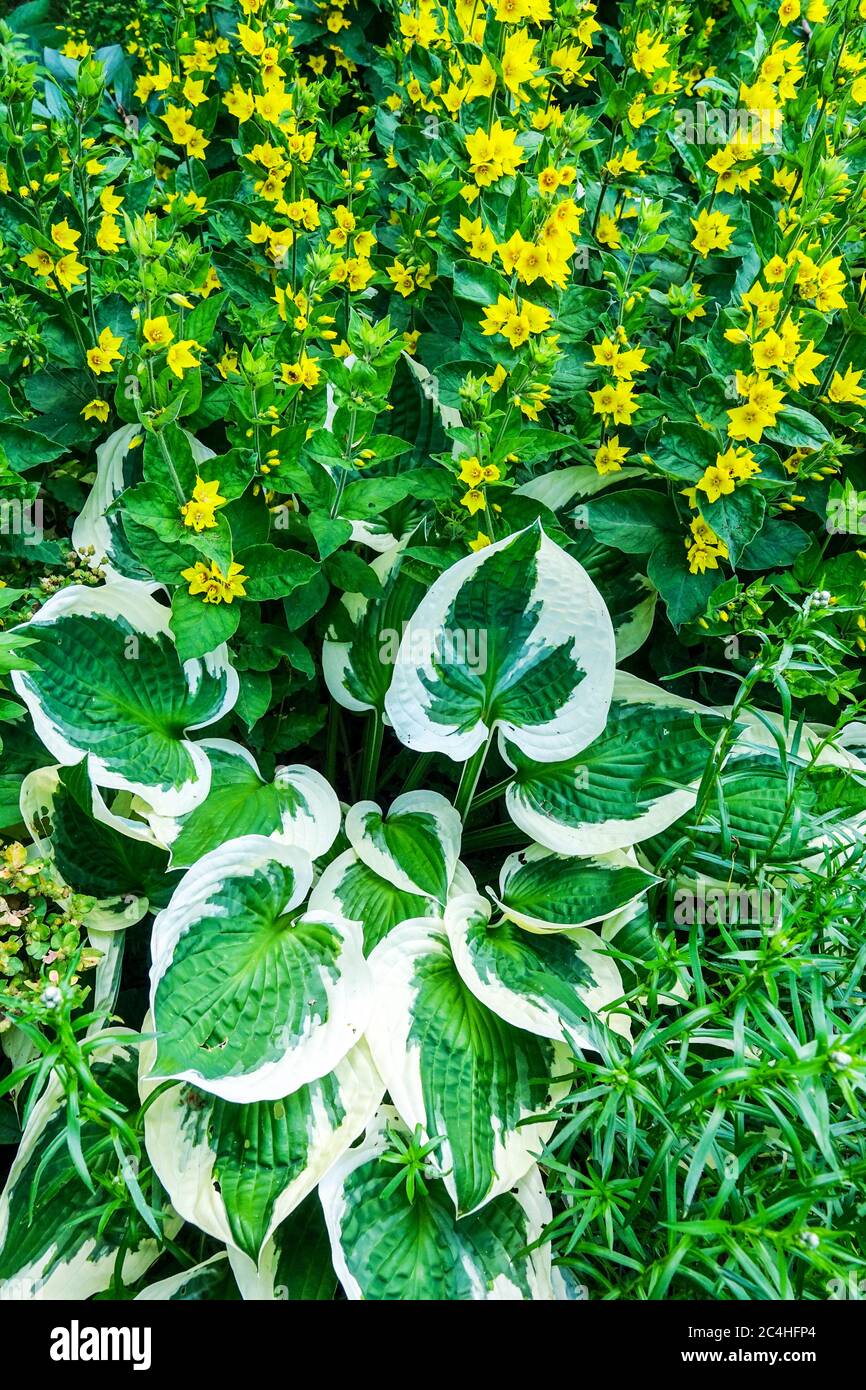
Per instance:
(543,982)
(546,892)
(106,682)
(212,1280)
(251,996)
(44,1252)
(386,1248)
(515,637)
(71,826)
(639,776)
(350,888)
(559,486)
(237,1171)
(298,808)
(629,596)
(295,1264)
(100,530)
(358,672)
(457,1069)
(415,847)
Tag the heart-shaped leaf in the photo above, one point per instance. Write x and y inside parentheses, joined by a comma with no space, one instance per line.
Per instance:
(236,1171)
(549,983)
(545,892)
(105,682)
(636,778)
(515,637)
(251,996)
(415,846)
(388,1247)
(298,808)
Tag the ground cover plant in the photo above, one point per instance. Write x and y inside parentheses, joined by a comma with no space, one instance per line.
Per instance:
(432,621)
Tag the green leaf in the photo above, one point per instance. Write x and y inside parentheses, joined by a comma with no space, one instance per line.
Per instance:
(552,984)
(639,776)
(273,572)
(237,1171)
(298,807)
(543,891)
(107,683)
(93,852)
(456,1069)
(515,637)
(252,997)
(388,1248)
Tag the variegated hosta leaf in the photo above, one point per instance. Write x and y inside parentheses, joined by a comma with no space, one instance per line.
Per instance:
(415,847)
(99,529)
(210,1281)
(106,682)
(237,1171)
(516,637)
(295,1264)
(358,672)
(546,983)
(555,489)
(388,1248)
(251,996)
(52,1245)
(545,892)
(298,807)
(457,1069)
(350,888)
(70,825)
(629,596)
(639,776)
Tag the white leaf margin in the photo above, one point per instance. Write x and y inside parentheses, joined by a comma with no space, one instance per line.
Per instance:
(528,1191)
(569,607)
(317,1052)
(130,601)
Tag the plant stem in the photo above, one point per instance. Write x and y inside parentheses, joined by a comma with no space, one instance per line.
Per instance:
(372,750)
(418,773)
(469,778)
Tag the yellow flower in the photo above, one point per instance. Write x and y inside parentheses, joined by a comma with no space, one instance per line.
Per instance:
(39,262)
(108,237)
(213,584)
(180,356)
(518,62)
(65,236)
(228,364)
(177,118)
(480,543)
(716,482)
(157,333)
(305,372)
(789,11)
(473,501)
(69,270)
(199,512)
(102,357)
(239,103)
(846,390)
(610,456)
(608,232)
(109,201)
(649,53)
(713,232)
(401,278)
(96,410)
(471,471)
